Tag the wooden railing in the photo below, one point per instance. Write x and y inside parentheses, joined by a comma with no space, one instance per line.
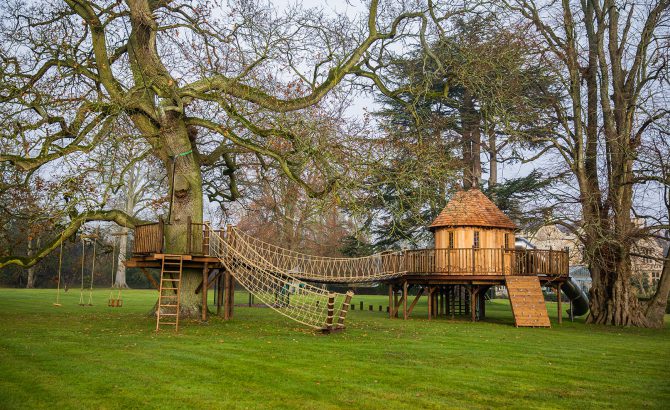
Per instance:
(149,238)
(457,261)
(486,261)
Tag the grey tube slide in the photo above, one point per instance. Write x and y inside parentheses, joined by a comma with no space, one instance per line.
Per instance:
(580,301)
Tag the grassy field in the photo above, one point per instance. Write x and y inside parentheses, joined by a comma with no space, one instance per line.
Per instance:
(99,357)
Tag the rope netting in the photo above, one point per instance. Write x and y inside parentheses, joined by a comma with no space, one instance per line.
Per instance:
(371,268)
(278,289)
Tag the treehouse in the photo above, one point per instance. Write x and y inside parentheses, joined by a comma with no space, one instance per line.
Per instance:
(474,251)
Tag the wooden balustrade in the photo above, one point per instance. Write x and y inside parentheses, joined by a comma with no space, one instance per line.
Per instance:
(448,261)
(149,238)
(486,261)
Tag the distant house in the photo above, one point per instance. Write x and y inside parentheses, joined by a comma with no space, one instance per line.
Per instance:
(646,268)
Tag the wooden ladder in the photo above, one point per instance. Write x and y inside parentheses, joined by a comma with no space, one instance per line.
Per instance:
(168,303)
(527,300)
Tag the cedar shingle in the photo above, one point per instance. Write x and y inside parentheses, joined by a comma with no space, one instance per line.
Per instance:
(472,208)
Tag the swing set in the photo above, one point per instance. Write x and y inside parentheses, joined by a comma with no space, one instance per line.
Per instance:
(114,300)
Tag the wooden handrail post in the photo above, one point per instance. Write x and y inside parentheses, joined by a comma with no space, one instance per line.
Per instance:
(473,259)
(344,309)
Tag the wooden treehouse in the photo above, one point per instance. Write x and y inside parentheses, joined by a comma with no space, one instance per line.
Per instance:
(474,251)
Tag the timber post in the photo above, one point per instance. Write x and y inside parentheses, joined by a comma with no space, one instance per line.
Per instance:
(205,277)
(344,309)
(390,301)
(404,300)
(558,300)
(331,312)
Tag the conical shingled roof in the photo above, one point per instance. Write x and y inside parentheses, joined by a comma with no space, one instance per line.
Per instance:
(472,208)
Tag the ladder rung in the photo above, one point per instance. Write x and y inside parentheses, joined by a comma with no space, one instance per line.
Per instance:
(167,323)
(168,305)
(170,288)
(168,314)
(170,280)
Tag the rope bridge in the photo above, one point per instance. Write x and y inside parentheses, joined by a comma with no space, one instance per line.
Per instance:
(278,289)
(373,268)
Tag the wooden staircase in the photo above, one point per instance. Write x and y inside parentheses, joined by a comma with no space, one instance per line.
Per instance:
(169,292)
(527,300)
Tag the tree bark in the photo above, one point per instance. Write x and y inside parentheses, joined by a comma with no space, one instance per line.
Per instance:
(655,308)
(120,280)
(30,280)
(471,134)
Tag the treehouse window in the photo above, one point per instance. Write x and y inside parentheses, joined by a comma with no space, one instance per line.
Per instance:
(451,240)
(475,242)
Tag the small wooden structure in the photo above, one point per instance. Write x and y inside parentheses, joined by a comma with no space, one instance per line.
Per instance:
(149,252)
(474,251)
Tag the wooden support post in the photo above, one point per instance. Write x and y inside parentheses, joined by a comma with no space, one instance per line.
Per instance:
(558,300)
(447,291)
(441,300)
(389,309)
(219,293)
(205,278)
(395,304)
(331,312)
(430,303)
(473,306)
(344,309)
(404,300)
(232,296)
(225,295)
(361,303)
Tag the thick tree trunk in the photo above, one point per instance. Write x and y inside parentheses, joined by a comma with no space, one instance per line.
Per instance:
(120,280)
(612,298)
(187,204)
(30,280)
(655,308)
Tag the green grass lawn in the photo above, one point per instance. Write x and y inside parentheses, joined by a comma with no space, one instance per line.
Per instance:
(99,357)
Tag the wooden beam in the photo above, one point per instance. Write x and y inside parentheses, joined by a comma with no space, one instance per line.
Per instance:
(396,307)
(416,299)
(150,278)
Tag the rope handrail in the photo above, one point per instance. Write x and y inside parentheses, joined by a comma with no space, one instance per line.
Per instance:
(377,267)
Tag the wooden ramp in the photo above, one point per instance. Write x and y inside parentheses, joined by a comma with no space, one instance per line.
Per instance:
(525,296)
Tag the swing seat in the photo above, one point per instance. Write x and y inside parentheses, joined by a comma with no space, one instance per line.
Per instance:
(57,305)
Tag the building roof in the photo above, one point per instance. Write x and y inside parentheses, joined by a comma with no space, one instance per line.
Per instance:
(472,208)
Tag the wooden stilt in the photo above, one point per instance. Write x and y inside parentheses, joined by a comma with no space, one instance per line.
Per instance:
(231,288)
(205,277)
(473,299)
(447,292)
(226,295)
(558,300)
(223,286)
(441,300)
(390,307)
(404,300)
(219,294)
(430,303)
(395,304)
